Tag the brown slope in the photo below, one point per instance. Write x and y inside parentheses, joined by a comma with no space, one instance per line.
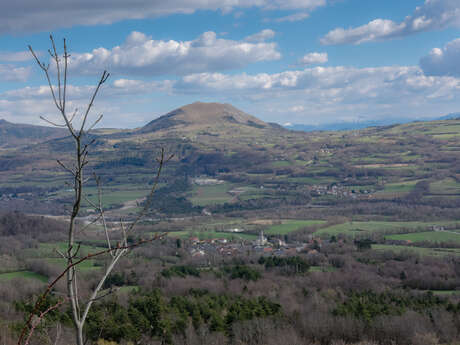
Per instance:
(201,115)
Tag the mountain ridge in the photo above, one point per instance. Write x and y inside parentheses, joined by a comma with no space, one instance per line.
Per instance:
(16,135)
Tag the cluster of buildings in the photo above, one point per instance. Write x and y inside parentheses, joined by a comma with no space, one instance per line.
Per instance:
(260,246)
(339,191)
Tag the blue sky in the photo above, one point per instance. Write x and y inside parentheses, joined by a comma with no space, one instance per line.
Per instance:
(298,61)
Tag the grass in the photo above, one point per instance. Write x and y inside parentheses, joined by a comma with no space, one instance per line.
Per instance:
(355,228)
(445,292)
(400,187)
(112,198)
(446,186)
(417,250)
(280,164)
(322,269)
(48,249)
(203,235)
(85,266)
(23,274)
(288,226)
(431,236)
(211,195)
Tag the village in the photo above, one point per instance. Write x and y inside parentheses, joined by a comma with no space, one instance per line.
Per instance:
(201,248)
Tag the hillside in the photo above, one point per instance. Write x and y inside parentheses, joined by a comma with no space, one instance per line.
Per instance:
(14,135)
(203,116)
(391,170)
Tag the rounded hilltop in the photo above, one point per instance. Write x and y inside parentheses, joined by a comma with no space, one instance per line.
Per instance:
(201,115)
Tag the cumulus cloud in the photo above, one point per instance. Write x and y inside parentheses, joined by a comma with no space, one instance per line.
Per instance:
(32,15)
(296,17)
(361,87)
(320,93)
(14,73)
(15,56)
(314,58)
(443,62)
(332,93)
(140,54)
(262,36)
(432,15)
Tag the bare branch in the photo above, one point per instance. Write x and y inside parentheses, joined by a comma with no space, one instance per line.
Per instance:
(42,298)
(95,123)
(161,161)
(35,324)
(58,69)
(105,75)
(74,112)
(52,123)
(60,253)
(66,58)
(65,168)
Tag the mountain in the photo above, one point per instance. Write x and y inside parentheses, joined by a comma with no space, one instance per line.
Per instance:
(347,126)
(201,116)
(451,116)
(16,135)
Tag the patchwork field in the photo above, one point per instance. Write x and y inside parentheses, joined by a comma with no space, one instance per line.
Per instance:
(432,236)
(356,228)
(211,195)
(288,226)
(417,250)
(23,274)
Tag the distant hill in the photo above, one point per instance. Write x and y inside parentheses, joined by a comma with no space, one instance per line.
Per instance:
(204,116)
(347,126)
(451,116)
(263,166)
(16,135)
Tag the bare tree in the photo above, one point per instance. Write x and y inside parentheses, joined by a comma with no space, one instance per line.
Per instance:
(79,133)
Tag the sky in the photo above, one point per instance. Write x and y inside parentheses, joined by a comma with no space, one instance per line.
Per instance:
(285,61)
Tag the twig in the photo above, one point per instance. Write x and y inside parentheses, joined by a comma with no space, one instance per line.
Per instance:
(72,265)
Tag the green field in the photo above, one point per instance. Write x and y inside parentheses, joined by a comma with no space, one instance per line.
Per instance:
(445,292)
(356,228)
(49,250)
(117,197)
(447,186)
(23,274)
(85,266)
(288,226)
(431,236)
(417,250)
(400,187)
(280,164)
(211,195)
(203,235)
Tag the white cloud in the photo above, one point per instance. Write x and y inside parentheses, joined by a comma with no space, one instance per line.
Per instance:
(296,17)
(292,4)
(261,36)
(443,62)
(314,58)
(297,109)
(14,73)
(32,15)
(140,54)
(333,91)
(432,15)
(318,94)
(15,56)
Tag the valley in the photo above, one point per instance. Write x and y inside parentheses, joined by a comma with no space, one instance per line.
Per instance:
(245,204)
